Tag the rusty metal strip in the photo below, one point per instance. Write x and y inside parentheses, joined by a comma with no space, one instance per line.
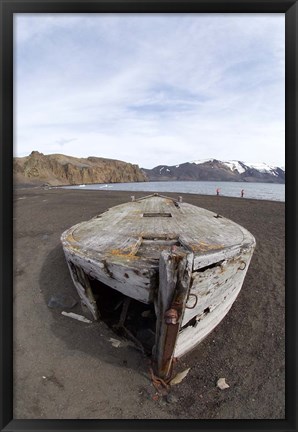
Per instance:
(178,268)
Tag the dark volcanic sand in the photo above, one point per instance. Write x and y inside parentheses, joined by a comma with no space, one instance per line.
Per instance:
(64,368)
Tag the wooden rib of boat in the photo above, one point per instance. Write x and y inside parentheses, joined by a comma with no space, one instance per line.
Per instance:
(188,262)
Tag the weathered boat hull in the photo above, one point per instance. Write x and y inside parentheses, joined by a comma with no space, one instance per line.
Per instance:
(216,289)
(189,262)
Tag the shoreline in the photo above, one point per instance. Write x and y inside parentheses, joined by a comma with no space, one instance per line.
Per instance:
(87,188)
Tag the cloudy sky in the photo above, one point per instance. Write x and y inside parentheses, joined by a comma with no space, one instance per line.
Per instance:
(151,89)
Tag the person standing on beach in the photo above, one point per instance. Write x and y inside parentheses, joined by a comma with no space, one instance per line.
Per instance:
(242,193)
(217,191)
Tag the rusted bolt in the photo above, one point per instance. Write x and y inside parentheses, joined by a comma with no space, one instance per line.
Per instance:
(171,316)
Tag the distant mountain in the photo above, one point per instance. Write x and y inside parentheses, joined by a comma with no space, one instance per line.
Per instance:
(58,169)
(216,170)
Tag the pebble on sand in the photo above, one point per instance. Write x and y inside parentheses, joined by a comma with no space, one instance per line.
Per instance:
(222,384)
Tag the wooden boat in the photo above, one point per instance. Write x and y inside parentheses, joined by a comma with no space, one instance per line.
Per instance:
(185,262)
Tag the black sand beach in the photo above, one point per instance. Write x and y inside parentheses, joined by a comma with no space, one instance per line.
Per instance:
(66,369)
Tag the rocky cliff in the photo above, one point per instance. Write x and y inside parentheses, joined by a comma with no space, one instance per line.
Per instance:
(58,169)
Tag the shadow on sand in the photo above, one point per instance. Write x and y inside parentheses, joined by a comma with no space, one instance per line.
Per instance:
(92,339)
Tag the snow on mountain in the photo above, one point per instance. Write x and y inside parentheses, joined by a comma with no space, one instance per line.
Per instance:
(201,161)
(241,167)
(262,167)
(234,166)
(162,168)
(216,170)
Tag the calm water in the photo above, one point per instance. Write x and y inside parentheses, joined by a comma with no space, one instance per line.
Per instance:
(265,191)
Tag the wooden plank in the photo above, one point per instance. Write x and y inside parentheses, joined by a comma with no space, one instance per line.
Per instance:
(213,304)
(138,284)
(191,336)
(197,228)
(212,286)
(82,285)
(174,280)
(167,285)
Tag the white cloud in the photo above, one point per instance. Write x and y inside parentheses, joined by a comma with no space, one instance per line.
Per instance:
(151,89)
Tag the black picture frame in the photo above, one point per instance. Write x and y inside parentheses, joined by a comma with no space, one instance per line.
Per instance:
(10,7)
